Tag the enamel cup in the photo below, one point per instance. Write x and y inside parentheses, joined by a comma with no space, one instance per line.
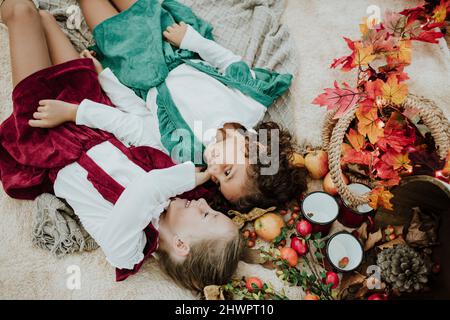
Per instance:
(354,218)
(341,247)
(321,210)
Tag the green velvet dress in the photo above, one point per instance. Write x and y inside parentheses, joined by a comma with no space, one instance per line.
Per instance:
(131,44)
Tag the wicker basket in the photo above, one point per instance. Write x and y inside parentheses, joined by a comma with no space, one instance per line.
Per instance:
(334,130)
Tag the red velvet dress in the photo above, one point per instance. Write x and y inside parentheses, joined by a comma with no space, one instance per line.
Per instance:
(30,158)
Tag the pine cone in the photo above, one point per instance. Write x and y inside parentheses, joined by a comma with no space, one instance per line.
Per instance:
(403,268)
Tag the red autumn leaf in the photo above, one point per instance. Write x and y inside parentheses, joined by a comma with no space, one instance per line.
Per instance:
(356,140)
(429,36)
(357,157)
(346,61)
(340,99)
(384,171)
(397,135)
(369,124)
(414,13)
(395,70)
(373,89)
(397,160)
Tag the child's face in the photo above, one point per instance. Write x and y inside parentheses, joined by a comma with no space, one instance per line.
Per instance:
(227,164)
(196,220)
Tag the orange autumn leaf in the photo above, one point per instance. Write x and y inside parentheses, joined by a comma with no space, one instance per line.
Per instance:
(404,54)
(393,91)
(356,139)
(446,170)
(363,55)
(397,160)
(380,197)
(440,12)
(369,124)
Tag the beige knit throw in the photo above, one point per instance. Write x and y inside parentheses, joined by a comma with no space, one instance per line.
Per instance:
(57,229)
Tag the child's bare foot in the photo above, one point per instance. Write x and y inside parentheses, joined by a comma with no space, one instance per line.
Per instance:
(175,33)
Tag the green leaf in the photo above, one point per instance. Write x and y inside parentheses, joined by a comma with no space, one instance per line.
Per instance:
(318,236)
(321,245)
(318,255)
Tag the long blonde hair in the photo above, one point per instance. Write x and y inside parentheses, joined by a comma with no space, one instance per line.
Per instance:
(209,262)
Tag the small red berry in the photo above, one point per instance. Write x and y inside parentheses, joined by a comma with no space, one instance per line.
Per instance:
(246,234)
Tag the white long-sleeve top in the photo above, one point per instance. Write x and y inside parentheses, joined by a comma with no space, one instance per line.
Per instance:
(119,228)
(204,103)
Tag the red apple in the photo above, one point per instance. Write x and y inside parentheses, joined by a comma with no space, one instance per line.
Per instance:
(300,246)
(253,280)
(378,296)
(269,226)
(317,164)
(289,255)
(328,185)
(304,228)
(333,278)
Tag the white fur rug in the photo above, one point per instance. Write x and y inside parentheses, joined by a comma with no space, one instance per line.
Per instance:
(318,27)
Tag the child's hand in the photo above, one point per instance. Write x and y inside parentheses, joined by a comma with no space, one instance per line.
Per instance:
(201,177)
(175,33)
(52,113)
(91,55)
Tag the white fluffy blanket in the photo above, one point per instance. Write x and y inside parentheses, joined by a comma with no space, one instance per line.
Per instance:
(317,27)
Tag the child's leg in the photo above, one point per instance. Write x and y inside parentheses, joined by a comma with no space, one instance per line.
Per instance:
(96,11)
(29,52)
(60,48)
(123,4)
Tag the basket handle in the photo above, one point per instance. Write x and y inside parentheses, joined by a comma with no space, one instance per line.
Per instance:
(333,135)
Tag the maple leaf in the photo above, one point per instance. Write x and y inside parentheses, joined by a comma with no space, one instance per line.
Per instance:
(380,40)
(346,61)
(393,91)
(384,170)
(338,98)
(403,55)
(397,135)
(395,70)
(414,13)
(357,157)
(429,36)
(394,22)
(356,140)
(397,160)
(363,55)
(440,12)
(379,196)
(373,89)
(369,124)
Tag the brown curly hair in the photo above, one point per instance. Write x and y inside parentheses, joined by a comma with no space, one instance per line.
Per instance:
(269,190)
